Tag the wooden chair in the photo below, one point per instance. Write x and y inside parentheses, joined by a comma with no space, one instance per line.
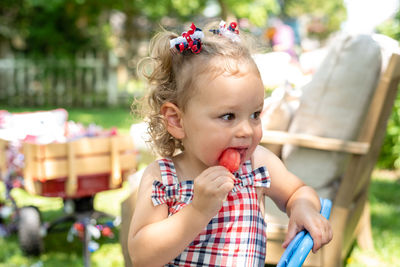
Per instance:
(350,216)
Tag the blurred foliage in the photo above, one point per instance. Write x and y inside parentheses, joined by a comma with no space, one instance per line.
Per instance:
(63,27)
(57,27)
(390,154)
(256,11)
(326,16)
(391,27)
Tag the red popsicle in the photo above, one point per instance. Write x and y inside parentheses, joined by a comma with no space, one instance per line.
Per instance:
(230,159)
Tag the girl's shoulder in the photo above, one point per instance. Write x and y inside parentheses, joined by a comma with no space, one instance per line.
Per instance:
(162,170)
(264,157)
(152,172)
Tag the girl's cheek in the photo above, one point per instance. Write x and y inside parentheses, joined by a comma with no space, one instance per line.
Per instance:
(258,135)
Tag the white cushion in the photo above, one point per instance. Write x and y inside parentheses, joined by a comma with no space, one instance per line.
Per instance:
(333,105)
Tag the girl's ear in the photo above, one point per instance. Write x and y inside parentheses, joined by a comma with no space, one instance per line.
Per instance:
(173,119)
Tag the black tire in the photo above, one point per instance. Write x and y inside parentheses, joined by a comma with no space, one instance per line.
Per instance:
(84,204)
(29,236)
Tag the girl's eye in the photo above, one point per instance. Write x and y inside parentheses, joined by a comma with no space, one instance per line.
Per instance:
(256,115)
(228,117)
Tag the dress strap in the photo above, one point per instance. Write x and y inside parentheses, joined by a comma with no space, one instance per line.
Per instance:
(170,190)
(246,168)
(168,172)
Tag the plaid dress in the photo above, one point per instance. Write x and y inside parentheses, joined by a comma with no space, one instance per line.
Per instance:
(236,235)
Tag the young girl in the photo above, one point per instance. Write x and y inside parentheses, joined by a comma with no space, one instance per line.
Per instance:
(206,97)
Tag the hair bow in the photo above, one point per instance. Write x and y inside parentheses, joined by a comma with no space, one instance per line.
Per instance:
(230,32)
(190,40)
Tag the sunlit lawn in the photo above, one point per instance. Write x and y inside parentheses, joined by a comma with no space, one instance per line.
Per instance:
(59,252)
(120,117)
(385,213)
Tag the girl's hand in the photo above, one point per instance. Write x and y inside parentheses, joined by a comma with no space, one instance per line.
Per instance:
(211,188)
(306,217)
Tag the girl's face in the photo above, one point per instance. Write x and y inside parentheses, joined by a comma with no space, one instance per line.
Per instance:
(223,113)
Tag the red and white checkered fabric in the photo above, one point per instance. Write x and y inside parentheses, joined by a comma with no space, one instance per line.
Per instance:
(236,235)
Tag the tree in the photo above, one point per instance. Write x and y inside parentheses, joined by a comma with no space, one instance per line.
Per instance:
(390,154)
(57,27)
(66,26)
(328,15)
(62,27)
(256,11)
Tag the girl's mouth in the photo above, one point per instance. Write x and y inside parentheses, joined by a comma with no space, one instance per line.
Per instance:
(242,151)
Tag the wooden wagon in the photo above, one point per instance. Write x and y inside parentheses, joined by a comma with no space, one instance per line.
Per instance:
(77,168)
(75,171)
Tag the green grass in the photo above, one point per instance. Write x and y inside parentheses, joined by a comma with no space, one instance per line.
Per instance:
(120,117)
(385,225)
(385,219)
(58,251)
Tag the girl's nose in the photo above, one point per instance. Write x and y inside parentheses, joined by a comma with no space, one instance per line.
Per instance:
(244,129)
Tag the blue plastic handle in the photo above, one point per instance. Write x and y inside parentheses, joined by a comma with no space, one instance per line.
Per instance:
(299,248)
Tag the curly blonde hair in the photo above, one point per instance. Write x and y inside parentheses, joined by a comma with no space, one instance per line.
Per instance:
(171,77)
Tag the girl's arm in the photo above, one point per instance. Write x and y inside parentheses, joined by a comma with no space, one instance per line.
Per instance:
(154,238)
(299,201)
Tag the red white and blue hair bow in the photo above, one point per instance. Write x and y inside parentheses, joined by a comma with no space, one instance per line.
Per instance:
(230,32)
(190,40)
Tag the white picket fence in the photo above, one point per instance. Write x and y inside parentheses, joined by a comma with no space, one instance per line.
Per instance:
(84,81)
